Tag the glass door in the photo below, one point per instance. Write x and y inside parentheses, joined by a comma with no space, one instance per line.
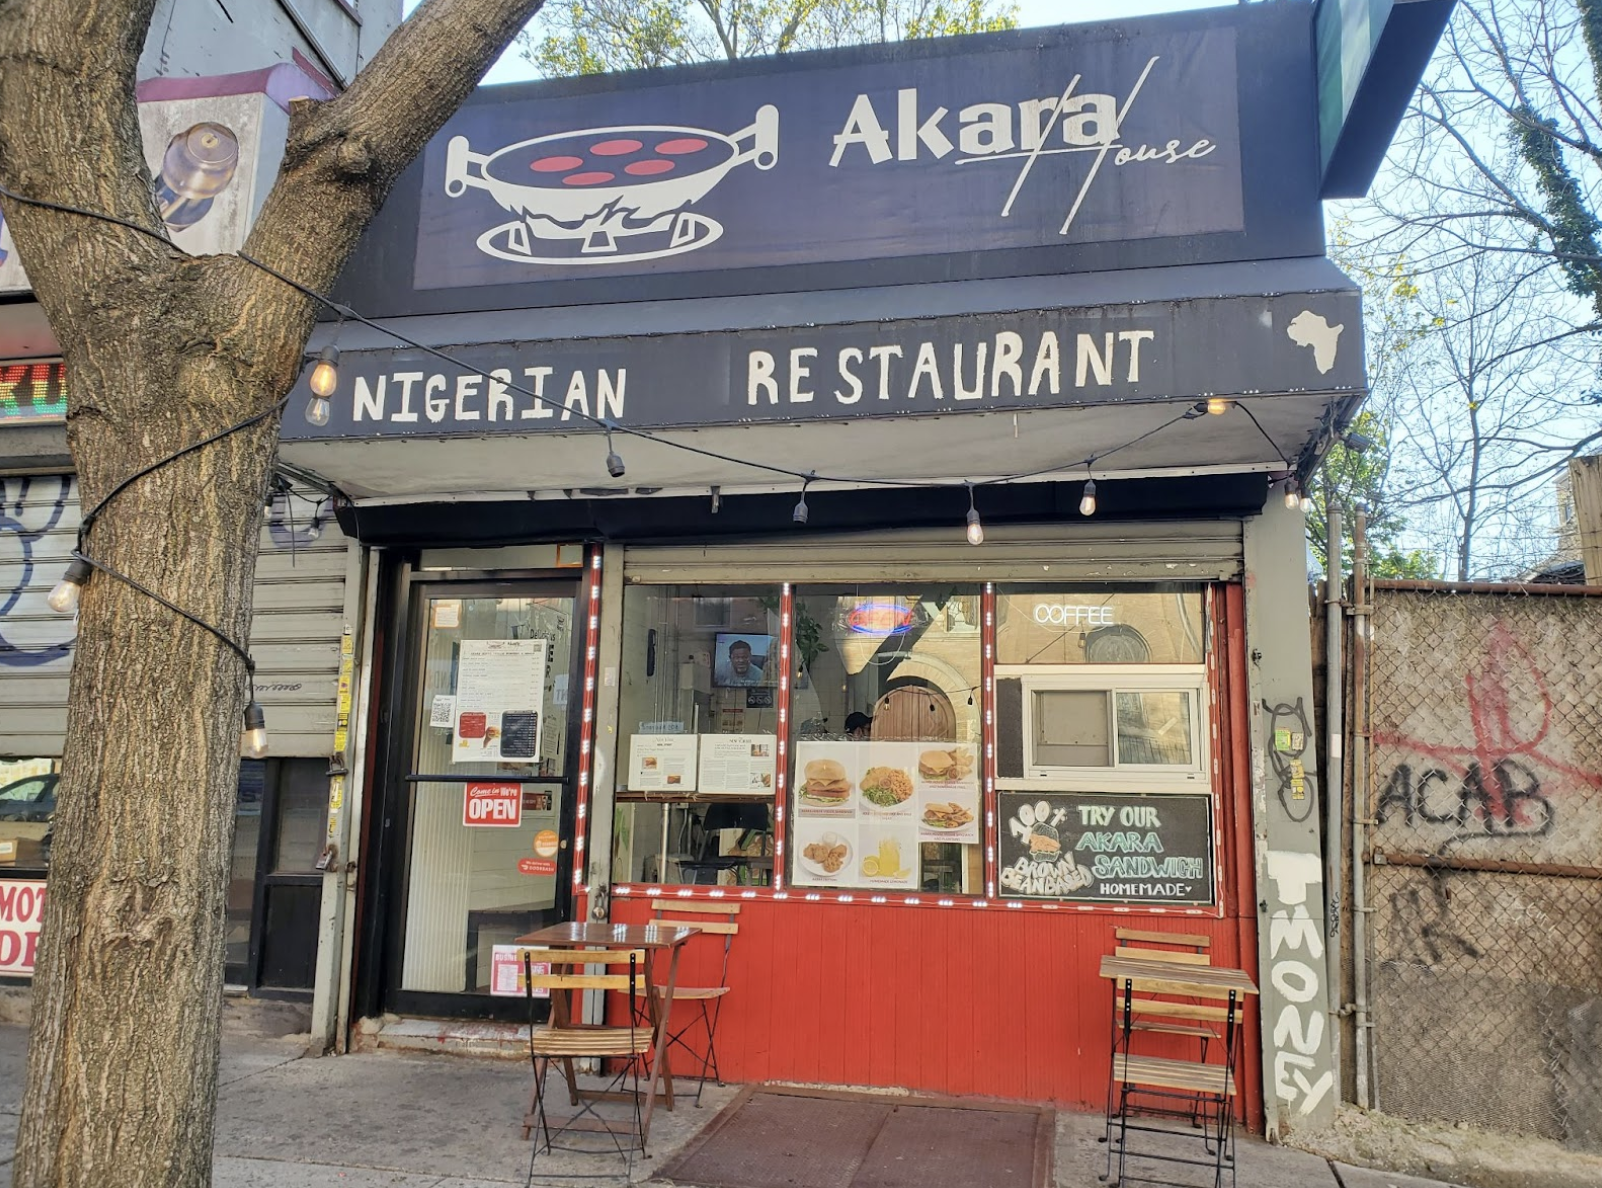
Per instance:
(486,799)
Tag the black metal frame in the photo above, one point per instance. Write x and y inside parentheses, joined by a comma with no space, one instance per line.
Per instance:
(263,879)
(1212,1113)
(385,842)
(630,1065)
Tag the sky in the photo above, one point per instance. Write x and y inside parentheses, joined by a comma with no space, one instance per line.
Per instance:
(512,67)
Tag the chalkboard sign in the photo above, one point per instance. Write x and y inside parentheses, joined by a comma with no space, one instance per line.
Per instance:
(1107,848)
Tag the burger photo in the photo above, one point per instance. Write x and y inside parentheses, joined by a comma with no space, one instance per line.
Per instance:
(825,782)
(936,765)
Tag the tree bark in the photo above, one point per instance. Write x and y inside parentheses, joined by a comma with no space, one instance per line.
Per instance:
(165,350)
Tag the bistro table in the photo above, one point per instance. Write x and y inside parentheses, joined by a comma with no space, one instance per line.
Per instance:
(1172,980)
(653,939)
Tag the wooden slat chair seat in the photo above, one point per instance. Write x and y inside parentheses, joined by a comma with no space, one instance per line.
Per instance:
(713,918)
(1189,1076)
(564,1041)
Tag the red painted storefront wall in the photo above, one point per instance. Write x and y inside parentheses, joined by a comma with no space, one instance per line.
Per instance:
(995,1001)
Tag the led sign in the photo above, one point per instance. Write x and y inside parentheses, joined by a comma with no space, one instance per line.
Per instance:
(1057,614)
(880,619)
(33,391)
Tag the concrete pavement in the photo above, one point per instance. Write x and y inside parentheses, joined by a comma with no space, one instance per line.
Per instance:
(400,1120)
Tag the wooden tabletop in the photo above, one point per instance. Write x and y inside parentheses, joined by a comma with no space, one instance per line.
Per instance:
(611,936)
(1214,977)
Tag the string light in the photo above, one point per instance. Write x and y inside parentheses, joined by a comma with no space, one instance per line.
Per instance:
(976,530)
(799,515)
(1292,498)
(614,462)
(254,741)
(325,374)
(1087,501)
(1218,405)
(63,599)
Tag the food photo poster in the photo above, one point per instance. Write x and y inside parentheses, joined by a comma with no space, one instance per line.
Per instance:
(861,808)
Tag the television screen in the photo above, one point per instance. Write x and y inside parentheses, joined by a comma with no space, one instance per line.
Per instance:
(740,660)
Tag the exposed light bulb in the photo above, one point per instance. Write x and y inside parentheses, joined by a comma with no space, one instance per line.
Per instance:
(799,515)
(1292,499)
(254,742)
(1306,502)
(976,530)
(1087,502)
(1218,405)
(317,410)
(614,460)
(325,376)
(63,599)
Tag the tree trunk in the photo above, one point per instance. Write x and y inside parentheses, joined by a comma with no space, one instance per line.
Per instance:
(165,351)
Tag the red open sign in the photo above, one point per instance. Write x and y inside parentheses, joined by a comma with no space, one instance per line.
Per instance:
(493,804)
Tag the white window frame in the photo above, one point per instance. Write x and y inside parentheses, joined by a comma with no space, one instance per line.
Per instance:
(1112,680)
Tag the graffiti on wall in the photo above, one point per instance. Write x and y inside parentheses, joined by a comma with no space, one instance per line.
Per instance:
(1510,777)
(1296,969)
(30,508)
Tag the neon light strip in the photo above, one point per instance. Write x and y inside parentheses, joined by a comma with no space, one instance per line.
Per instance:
(581,889)
(987,717)
(782,766)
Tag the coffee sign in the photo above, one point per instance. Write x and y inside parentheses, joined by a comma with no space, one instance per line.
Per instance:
(1108,848)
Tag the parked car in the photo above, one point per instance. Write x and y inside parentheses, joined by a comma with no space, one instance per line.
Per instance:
(32,798)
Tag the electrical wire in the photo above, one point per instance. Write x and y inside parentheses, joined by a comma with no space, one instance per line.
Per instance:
(344,312)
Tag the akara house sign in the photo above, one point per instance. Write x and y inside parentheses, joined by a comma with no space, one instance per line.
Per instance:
(1011,148)
(1187,138)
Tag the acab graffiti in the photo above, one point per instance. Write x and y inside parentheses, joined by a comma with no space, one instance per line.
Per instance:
(1296,952)
(1494,783)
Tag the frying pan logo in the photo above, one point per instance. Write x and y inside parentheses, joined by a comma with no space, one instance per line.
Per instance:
(608,195)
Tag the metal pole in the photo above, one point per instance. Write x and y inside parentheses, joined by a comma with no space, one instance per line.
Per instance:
(1361,611)
(1334,806)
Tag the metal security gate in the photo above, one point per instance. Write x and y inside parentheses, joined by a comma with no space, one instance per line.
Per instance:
(1484,872)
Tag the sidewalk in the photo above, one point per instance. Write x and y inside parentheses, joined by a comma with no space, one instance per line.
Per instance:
(388,1120)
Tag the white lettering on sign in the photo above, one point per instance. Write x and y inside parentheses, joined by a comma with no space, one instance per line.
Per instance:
(458,398)
(493,804)
(1056,614)
(1022,132)
(21,916)
(1296,975)
(988,367)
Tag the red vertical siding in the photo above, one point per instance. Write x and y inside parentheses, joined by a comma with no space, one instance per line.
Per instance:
(993,1001)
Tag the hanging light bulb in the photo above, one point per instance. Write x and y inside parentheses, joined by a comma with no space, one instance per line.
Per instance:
(63,599)
(324,377)
(799,515)
(317,411)
(614,462)
(254,742)
(1306,502)
(1218,405)
(1292,499)
(1087,501)
(976,530)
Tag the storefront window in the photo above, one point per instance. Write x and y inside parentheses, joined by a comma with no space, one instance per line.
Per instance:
(699,722)
(27,802)
(885,789)
(1059,624)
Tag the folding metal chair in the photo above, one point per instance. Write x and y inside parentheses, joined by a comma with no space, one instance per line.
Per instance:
(703,914)
(566,1041)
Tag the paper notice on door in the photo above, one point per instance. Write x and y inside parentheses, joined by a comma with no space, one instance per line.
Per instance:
(508,975)
(500,688)
(443,711)
(662,762)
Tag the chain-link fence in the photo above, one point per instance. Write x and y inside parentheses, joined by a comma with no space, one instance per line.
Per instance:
(1485,974)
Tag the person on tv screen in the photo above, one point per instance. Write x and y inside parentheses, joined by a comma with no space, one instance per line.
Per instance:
(739,668)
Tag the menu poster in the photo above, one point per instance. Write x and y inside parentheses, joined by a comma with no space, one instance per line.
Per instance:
(883,798)
(1107,848)
(508,974)
(737,763)
(500,687)
(662,762)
